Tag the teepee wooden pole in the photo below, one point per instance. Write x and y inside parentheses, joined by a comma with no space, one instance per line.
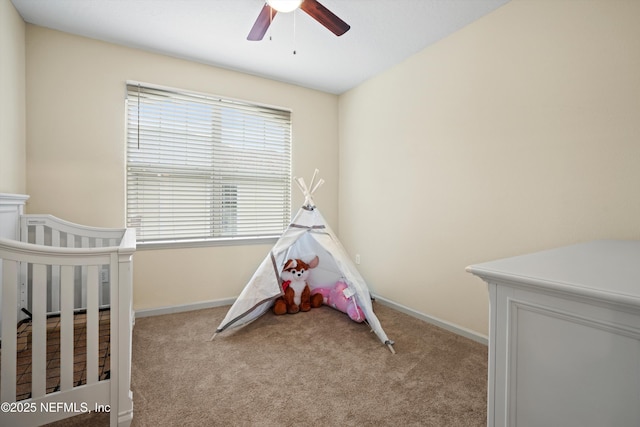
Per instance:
(301,184)
(313,178)
(317,186)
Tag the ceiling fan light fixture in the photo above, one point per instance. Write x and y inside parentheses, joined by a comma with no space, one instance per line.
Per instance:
(284,6)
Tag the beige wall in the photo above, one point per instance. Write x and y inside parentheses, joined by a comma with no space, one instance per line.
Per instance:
(75,109)
(12,100)
(520,132)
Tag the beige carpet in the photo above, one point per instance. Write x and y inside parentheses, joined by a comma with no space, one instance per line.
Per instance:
(317,368)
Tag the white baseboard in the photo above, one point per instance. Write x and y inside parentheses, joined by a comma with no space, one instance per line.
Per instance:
(183,307)
(467,333)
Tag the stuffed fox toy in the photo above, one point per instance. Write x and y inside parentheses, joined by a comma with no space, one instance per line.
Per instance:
(297,294)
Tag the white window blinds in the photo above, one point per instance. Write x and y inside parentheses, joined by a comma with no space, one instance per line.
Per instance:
(202,168)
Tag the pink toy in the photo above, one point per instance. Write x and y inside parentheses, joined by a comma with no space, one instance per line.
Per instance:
(334,296)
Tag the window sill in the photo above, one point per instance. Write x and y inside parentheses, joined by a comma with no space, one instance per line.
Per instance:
(202,243)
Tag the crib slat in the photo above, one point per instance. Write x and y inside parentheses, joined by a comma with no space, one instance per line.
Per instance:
(39,234)
(71,240)
(55,274)
(84,243)
(39,335)
(99,243)
(9,333)
(92,324)
(55,238)
(66,328)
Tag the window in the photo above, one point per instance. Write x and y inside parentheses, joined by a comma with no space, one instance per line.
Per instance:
(201,168)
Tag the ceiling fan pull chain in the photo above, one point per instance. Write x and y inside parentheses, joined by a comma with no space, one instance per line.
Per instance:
(295,14)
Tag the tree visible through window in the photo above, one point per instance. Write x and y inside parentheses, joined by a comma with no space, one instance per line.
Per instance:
(203,168)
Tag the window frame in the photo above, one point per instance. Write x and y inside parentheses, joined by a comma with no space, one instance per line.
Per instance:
(206,241)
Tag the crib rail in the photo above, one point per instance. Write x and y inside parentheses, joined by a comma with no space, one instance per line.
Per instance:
(49,230)
(60,256)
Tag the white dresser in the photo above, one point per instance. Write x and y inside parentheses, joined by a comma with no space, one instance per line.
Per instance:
(564,338)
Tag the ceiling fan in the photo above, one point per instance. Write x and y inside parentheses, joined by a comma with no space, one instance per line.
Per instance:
(311,7)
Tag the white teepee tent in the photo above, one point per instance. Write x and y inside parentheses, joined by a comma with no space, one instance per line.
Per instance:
(307,236)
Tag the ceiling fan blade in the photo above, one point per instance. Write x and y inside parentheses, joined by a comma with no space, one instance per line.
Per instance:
(324,16)
(262,23)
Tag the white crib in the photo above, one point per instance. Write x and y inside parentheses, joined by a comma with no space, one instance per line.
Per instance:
(53,268)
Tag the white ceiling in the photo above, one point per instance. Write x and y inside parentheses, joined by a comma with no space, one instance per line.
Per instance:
(383,33)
